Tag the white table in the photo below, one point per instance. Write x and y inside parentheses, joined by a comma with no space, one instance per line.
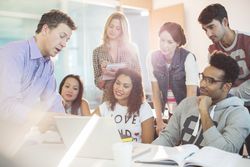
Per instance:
(49,155)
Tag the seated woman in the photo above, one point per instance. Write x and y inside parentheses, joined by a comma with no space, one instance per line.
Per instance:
(71,90)
(132,115)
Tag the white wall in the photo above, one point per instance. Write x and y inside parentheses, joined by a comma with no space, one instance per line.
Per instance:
(197,41)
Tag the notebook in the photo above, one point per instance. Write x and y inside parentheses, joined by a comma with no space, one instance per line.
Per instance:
(99,134)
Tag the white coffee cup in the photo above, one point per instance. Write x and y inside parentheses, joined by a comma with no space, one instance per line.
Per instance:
(122,153)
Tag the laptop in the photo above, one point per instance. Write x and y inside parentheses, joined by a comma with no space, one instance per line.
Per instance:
(96,134)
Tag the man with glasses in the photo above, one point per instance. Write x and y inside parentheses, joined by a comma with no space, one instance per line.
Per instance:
(210,119)
(215,23)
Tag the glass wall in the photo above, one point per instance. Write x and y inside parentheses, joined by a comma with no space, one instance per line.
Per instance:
(19,21)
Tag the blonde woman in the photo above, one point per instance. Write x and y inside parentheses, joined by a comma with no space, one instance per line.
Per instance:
(116,48)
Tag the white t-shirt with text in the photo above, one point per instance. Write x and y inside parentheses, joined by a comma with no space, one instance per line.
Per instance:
(129,127)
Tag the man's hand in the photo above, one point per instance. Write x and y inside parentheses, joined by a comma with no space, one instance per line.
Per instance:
(204,102)
(47,121)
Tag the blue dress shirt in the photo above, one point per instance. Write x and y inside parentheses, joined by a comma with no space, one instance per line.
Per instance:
(26,81)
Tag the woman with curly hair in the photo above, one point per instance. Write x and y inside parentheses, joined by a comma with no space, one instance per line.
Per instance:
(126,104)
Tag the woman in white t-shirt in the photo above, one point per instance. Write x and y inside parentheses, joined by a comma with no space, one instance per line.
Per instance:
(132,114)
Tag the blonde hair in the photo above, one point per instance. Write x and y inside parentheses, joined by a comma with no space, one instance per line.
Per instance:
(125,36)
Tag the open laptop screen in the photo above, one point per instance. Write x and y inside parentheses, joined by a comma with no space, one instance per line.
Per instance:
(98,134)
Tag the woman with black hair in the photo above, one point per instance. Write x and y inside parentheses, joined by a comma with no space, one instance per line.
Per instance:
(71,90)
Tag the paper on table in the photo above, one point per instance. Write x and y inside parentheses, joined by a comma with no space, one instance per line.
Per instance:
(212,157)
(140,149)
(167,155)
(189,155)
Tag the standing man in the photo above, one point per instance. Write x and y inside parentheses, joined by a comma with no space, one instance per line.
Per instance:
(27,82)
(214,21)
(215,118)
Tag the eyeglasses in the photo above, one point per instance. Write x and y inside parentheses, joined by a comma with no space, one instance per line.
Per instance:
(208,80)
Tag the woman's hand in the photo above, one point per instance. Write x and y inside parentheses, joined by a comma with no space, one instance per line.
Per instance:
(103,66)
(101,84)
(106,71)
(160,125)
(65,104)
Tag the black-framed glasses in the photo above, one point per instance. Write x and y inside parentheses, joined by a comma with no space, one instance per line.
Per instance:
(208,80)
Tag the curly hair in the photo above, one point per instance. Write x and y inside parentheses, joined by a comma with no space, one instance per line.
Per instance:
(176,31)
(227,64)
(53,18)
(77,102)
(136,96)
(214,11)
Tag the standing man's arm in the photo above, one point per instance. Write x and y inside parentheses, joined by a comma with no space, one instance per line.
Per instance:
(50,96)
(242,91)
(12,64)
(16,117)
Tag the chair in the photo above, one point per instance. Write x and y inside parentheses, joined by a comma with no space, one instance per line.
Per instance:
(247,140)
(247,144)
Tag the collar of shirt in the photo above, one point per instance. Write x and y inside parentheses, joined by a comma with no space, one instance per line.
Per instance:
(35,52)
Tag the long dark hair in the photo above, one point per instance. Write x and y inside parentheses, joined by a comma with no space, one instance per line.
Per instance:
(176,31)
(136,96)
(77,102)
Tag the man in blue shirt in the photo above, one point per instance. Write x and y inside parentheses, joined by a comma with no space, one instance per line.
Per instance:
(27,82)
